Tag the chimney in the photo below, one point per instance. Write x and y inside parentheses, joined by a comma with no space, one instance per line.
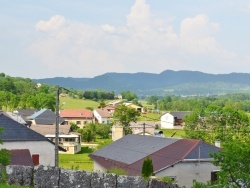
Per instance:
(217,143)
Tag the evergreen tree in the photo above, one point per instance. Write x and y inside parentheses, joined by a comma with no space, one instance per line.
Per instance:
(147,168)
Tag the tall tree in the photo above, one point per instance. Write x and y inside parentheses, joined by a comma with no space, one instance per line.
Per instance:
(124,115)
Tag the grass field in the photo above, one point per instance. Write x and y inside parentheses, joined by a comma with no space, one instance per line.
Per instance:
(80,161)
(178,133)
(77,103)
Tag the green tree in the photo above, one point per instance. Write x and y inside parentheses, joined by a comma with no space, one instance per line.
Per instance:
(124,115)
(234,162)
(74,127)
(103,130)
(4,153)
(128,95)
(147,168)
(102,104)
(88,133)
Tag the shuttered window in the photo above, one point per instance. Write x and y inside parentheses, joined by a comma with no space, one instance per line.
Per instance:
(35,158)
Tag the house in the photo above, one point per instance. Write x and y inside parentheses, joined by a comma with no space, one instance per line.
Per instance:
(18,136)
(140,128)
(110,109)
(25,112)
(172,120)
(80,117)
(21,157)
(45,117)
(131,105)
(102,116)
(143,128)
(19,118)
(68,140)
(183,160)
(115,103)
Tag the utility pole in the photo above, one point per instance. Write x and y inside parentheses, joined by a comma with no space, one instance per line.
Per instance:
(57,126)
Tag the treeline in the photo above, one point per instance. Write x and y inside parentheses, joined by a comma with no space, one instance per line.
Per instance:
(18,92)
(238,101)
(24,93)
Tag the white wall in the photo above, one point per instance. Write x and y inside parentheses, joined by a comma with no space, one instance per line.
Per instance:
(99,168)
(186,172)
(167,121)
(100,119)
(45,149)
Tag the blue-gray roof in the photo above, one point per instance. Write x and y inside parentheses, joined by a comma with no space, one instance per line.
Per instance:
(202,151)
(132,148)
(45,117)
(14,131)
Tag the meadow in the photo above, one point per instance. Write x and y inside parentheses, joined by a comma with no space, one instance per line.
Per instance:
(79,161)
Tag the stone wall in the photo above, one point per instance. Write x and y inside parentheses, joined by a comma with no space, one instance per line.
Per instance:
(52,177)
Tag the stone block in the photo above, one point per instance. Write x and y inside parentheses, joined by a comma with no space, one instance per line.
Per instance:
(154,183)
(131,182)
(19,175)
(74,178)
(101,180)
(46,177)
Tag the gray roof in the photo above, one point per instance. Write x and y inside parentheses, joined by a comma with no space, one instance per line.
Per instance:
(26,112)
(132,148)
(19,118)
(46,117)
(180,114)
(14,131)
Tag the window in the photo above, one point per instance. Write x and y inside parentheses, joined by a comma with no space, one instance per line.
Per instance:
(35,158)
(78,122)
(214,175)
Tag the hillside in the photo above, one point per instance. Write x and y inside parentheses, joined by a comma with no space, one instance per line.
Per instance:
(167,82)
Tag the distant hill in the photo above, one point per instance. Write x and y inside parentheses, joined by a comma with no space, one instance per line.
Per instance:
(167,82)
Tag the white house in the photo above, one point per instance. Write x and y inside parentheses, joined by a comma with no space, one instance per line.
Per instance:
(18,136)
(172,120)
(102,116)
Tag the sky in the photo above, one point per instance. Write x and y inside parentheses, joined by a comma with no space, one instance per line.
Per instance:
(87,38)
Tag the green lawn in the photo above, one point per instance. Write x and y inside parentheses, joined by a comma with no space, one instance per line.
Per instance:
(150,117)
(79,161)
(178,133)
(71,103)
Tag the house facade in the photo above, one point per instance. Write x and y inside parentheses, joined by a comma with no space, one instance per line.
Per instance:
(102,116)
(80,117)
(173,120)
(17,136)
(183,160)
(70,141)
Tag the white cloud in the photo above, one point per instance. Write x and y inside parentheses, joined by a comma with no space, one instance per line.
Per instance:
(55,23)
(108,28)
(143,43)
(139,18)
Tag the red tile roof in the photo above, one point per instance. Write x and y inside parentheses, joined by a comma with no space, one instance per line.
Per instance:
(84,113)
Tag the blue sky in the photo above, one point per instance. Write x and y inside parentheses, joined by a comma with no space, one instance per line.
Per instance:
(86,38)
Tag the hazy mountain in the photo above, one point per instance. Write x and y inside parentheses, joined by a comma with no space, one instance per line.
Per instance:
(167,82)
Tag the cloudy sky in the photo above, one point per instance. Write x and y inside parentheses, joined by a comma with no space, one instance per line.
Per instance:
(86,38)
